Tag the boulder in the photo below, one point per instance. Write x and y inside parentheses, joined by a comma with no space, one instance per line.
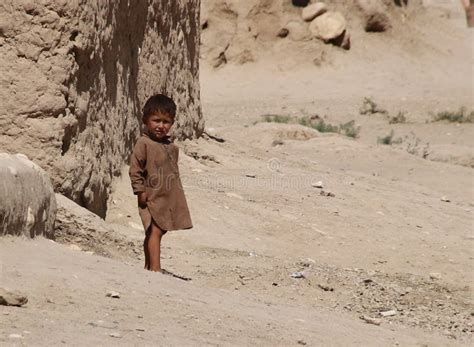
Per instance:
(78,226)
(27,202)
(328,26)
(312,11)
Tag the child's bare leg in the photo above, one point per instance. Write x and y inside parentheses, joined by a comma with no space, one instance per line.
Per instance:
(145,250)
(154,247)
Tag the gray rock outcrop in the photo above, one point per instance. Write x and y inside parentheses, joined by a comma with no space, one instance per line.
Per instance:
(27,201)
(74,76)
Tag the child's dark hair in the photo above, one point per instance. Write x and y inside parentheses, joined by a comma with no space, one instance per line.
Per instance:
(159,103)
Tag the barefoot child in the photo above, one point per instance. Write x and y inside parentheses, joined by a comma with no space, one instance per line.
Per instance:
(154,175)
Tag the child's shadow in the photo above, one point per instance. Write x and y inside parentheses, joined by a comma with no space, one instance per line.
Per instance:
(166,272)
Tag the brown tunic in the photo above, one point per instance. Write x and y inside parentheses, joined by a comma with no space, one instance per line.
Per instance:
(154,170)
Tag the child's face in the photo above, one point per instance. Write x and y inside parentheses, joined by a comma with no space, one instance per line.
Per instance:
(159,124)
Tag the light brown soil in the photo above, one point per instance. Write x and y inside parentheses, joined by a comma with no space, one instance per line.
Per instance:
(385,241)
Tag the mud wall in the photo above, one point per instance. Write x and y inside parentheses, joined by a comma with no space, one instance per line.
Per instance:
(75,74)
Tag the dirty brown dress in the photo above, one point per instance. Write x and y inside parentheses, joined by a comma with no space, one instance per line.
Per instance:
(154,170)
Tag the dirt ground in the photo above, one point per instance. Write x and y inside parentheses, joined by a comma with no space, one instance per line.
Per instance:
(275,260)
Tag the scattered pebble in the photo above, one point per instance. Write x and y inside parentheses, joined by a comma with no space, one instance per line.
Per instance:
(388,313)
(318,184)
(326,288)
(445,199)
(329,194)
(251,175)
(113,294)
(435,276)
(116,335)
(370,320)
(302,342)
(298,274)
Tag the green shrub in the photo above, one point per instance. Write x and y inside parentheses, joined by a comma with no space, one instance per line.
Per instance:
(460,116)
(399,118)
(276,118)
(369,106)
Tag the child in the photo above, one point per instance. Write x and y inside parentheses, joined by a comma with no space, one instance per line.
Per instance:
(154,175)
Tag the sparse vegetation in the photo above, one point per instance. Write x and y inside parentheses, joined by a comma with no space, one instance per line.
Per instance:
(459,116)
(411,143)
(369,106)
(386,140)
(348,129)
(277,118)
(399,118)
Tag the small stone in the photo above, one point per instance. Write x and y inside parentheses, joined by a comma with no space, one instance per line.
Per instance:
(445,199)
(312,11)
(15,336)
(298,274)
(251,175)
(116,335)
(318,184)
(326,288)
(302,342)
(283,33)
(435,276)
(8,298)
(370,320)
(113,294)
(388,313)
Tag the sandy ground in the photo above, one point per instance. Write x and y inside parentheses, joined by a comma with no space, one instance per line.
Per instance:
(383,240)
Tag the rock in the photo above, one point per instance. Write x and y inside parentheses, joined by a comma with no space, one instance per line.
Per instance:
(283,32)
(370,320)
(318,184)
(8,298)
(62,64)
(298,274)
(445,199)
(328,26)
(298,31)
(312,11)
(377,22)
(388,313)
(31,205)
(300,3)
(74,224)
(251,175)
(435,276)
(328,194)
(326,288)
(113,294)
(116,335)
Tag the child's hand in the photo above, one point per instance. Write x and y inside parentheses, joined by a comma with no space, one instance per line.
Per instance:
(142,199)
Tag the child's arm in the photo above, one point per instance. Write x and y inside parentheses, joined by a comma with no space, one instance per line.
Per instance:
(137,172)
